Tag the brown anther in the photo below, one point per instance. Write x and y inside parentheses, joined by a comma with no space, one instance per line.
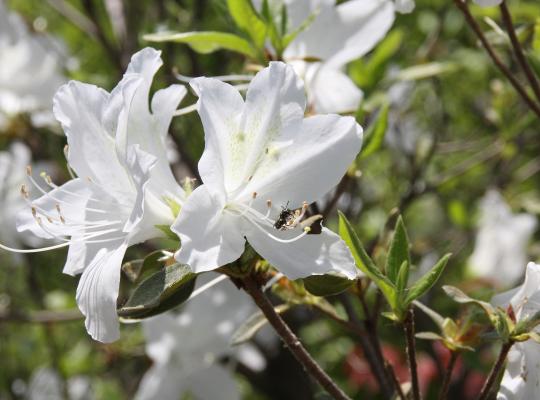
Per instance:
(269,203)
(50,220)
(24,192)
(34,212)
(29,170)
(254,195)
(250,178)
(38,219)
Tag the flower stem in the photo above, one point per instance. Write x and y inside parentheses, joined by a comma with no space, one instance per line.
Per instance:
(408,325)
(395,381)
(290,339)
(518,50)
(464,8)
(448,375)
(495,370)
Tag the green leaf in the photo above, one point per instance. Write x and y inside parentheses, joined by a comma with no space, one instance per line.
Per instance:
(374,135)
(246,18)
(427,281)
(288,38)
(398,253)
(536,40)
(253,324)
(427,70)
(429,336)
(434,315)
(205,42)
(273,32)
(459,297)
(166,229)
(161,291)
(366,73)
(326,285)
(364,262)
(402,279)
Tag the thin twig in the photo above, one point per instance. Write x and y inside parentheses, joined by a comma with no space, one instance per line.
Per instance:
(448,375)
(464,8)
(518,50)
(397,384)
(290,339)
(371,349)
(42,317)
(495,370)
(408,325)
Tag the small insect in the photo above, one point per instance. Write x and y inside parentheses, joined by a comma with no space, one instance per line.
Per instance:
(290,219)
(285,218)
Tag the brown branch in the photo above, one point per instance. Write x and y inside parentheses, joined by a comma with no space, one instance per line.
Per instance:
(408,325)
(448,375)
(397,384)
(464,8)
(518,50)
(290,339)
(371,349)
(42,317)
(495,370)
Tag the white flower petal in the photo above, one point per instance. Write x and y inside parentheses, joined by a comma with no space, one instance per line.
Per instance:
(521,379)
(80,109)
(139,164)
(148,128)
(98,291)
(210,237)
(219,106)
(309,165)
(72,198)
(332,91)
(343,33)
(316,254)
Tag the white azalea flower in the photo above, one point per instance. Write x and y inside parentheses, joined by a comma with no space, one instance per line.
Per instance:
(260,155)
(488,3)
(30,71)
(116,147)
(339,34)
(185,347)
(521,379)
(501,241)
(46,384)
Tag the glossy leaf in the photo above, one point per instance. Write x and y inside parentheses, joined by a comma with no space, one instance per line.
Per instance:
(246,18)
(427,281)
(205,42)
(374,136)
(160,292)
(364,262)
(398,253)
(326,285)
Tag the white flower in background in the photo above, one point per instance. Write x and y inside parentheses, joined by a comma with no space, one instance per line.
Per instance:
(404,6)
(260,155)
(124,184)
(185,347)
(30,71)
(488,3)
(46,384)
(521,379)
(501,242)
(338,34)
